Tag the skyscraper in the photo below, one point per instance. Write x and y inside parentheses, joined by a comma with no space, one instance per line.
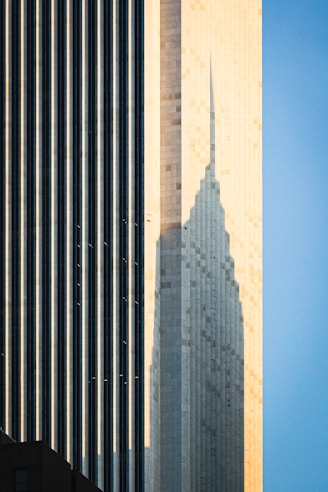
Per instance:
(131,238)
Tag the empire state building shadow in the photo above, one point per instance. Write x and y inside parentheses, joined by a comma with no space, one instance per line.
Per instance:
(197,374)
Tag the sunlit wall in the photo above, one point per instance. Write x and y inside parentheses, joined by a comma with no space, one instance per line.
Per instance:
(202,64)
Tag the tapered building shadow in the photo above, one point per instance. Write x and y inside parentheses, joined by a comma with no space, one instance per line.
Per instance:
(197,375)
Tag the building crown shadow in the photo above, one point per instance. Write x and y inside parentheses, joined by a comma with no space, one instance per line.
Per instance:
(197,373)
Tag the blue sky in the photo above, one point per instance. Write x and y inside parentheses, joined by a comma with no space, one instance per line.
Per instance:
(295,194)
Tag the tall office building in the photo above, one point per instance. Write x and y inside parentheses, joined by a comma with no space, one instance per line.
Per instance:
(131,238)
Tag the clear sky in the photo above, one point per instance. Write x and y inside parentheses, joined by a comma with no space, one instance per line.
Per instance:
(295,193)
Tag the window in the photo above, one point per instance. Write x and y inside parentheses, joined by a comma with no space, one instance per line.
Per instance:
(21,480)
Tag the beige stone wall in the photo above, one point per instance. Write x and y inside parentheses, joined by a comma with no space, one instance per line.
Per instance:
(225,40)
(206,44)
(237,87)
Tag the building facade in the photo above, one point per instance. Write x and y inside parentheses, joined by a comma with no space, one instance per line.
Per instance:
(72,231)
(33,466)
(131,238)
(203,245)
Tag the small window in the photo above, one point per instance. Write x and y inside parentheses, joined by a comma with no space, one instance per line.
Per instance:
(21,480)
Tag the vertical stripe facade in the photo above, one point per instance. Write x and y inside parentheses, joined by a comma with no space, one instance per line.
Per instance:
(71,225)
